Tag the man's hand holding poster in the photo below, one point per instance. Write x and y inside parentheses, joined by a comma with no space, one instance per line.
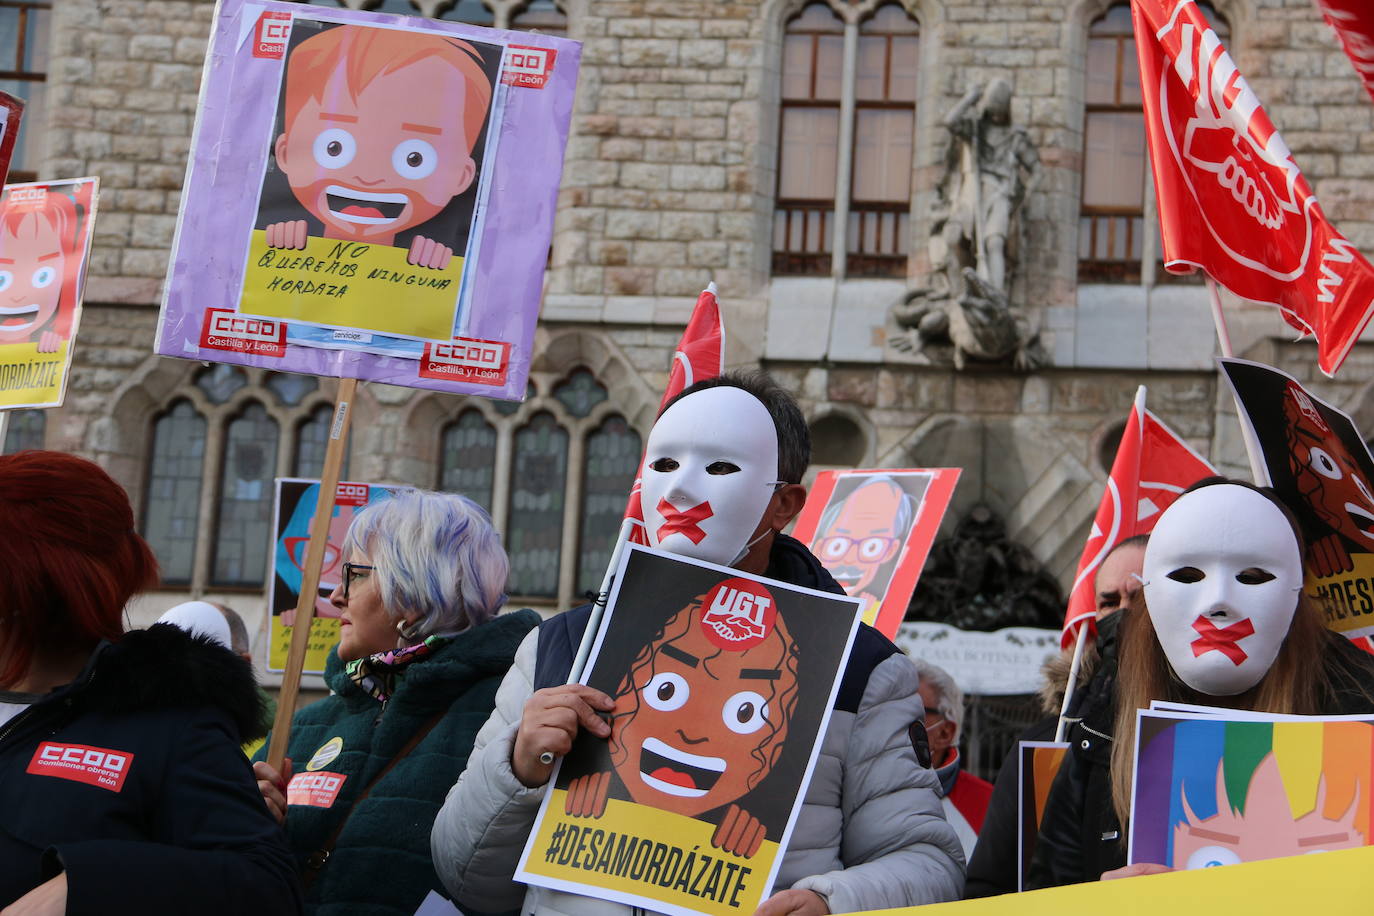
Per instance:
(45,240)
(872,529)
(402,177)
(1318,464)
(294,510)
(723,684)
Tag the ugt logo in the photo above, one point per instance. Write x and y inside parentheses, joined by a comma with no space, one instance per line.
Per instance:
(738,614)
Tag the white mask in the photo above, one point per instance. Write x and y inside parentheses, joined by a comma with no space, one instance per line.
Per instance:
(1222,576)
(710,469)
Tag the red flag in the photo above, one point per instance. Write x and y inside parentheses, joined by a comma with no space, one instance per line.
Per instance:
(1231,199)
(1152,467)
(1353,21)
(700,355)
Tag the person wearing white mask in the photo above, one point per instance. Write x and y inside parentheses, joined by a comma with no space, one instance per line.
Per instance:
(1221,620)
(722,478)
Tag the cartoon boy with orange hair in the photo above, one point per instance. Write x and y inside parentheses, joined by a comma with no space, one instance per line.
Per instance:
(39,263)
(379,129)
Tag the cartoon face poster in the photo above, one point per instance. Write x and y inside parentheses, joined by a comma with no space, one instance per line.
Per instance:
(1318,463)
(873,529)
(1216,791)
(723,684)
(45,241)
(293,514)
(401,178)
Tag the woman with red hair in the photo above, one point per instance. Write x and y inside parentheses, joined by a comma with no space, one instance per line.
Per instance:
(121,780)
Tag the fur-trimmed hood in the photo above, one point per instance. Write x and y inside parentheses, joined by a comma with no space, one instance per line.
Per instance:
(166,667)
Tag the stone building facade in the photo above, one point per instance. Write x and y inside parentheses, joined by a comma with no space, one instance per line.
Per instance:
(672,179)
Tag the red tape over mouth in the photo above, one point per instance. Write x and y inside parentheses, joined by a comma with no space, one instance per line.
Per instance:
(685,523)
(1212,638)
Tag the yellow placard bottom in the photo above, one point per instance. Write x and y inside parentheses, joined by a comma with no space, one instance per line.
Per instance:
(652,854)
(324,633)
(29,378)
(1337,882)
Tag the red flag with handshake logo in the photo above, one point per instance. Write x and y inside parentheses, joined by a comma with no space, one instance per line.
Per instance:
(1231,199)
(700,355)
(1152,467)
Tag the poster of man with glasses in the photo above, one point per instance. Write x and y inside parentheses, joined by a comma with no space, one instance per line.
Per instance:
(293,513)
(873,529)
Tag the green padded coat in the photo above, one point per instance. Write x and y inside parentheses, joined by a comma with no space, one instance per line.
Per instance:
(380,864)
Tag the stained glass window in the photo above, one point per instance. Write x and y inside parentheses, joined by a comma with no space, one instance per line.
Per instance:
(172,506)
(468,458)
(291,388)
(312,440)
(220,381)
(24,28)
(613,453)
(543,16)
(25,431)
(242,532)
(580,393)
(535,538)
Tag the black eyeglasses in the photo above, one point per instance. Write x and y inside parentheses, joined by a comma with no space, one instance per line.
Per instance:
(353,571)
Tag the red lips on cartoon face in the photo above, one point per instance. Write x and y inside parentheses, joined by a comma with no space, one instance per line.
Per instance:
(684,522)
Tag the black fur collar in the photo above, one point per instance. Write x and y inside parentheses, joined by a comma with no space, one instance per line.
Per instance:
(166,667)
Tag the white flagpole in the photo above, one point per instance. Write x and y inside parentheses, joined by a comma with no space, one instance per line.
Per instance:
(603,596)
(1072,682)
(1252,449)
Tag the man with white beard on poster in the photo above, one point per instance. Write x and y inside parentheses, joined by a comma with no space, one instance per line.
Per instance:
(722,478)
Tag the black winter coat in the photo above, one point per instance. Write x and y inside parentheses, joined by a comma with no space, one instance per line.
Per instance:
(131,780)
(1080,837)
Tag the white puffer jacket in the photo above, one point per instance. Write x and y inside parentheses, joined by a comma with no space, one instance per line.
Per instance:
(871,833)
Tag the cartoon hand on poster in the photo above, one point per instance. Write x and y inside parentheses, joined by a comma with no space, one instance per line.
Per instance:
(367,155)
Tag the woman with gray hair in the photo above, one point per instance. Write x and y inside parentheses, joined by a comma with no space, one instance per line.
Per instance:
(420,655)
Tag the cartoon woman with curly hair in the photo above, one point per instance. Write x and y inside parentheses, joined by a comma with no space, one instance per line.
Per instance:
(701,717)
(40,260)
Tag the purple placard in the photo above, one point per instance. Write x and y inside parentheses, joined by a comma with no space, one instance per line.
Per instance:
(232,237)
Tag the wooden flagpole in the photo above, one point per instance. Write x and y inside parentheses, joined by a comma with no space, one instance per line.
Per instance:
(1252,449)
(310,573)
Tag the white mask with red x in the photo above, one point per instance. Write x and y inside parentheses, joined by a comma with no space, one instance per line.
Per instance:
(710,469)
(1222,576)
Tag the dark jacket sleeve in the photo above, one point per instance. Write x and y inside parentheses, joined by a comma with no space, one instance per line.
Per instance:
(216,843)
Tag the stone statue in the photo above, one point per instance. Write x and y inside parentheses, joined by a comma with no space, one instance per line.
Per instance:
(992,168)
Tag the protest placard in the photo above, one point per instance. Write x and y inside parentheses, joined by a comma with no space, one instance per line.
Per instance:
(1038,764)
(296,502)
(872,529)
(45,241)
(369,196)
(1319,465)
(1217,789)
(723,684)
